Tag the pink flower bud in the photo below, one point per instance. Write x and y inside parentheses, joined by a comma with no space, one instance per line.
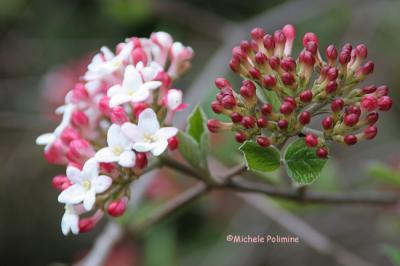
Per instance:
(274,62)
(263,141)
(286,108)
(262,122)
(327,123)
(79,151)
(288,64)
(337,105)
(350,139)
(234,64)
(173,143)
(240,137)
(290,34)
(304,118)
(372,118)
(322,152)
(228,101)
(217,107)
(309,36)
(261,58)
(369,89)
(332,73)
(79,93)
(56,152)
(79,119)
(269,81)
(283,124)
(287,78)
(361,50)
(382,91)
(351,119)
(307,58)
(214,125)
(118,115)
(137,108)
(236,117)
(69,134)
(257,34)
(331,53)
(87,224)
(269,42)
(331,87)
(370,132)
(369,102)
(104,105)
(61,182)
(353,110)
(248,122)
(254,73)
(384,103)
(306,96)
(118,207)
(245,46)
(222,83)
(266,109)
(139,55)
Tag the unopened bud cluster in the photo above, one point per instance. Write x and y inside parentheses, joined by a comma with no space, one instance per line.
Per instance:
(113,121)
(301,87)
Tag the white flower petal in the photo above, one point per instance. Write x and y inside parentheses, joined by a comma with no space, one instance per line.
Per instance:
(90,169)
(74,174)
(166,132)
(72,195)
(106,155)
(148,122)
(70,222)
(114,90)
(140,95)
(132,79)
(119,99)
(89,200)
(101,183)
(45,139)
(143,146)
(159,147)
(127,159)
(151,85)
(132,131)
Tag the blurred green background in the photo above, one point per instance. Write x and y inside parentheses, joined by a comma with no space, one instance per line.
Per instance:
(44,45)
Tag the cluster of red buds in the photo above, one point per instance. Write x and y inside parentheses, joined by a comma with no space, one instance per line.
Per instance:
(298,89)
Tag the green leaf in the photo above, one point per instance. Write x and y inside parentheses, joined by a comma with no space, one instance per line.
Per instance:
(268,96)
(189,149)
(301,162)
(259,158)
(393,254)
(204,149)
(196,123)
(384,174)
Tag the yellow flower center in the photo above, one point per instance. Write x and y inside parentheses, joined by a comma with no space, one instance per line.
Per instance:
(117,150)
(149,138)
(86,184)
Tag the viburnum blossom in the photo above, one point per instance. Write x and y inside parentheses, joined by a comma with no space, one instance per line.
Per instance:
(113,120)
(287,98)
(147,134)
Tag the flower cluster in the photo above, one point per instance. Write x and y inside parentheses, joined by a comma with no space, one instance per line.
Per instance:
(280,94)
(112,122)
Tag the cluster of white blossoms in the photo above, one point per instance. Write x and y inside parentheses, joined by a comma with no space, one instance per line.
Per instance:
(112,122)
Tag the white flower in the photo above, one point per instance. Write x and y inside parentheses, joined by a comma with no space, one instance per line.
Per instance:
(119,148)
(147,134)
(174,100)
(106,63)
(70,220)
(85,185)
(148,72)
(48,138)
(132,90)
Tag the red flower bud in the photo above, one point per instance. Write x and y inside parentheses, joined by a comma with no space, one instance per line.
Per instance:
(216,107)
(279,37)
(372,118)
(274,62)
(385,103)
(350,139)
(266,109)
(263,141)
(79,119)
(104,105)
(353,110)
(367,68)
(269,81)
(327,122)
(331,52)
(257,33)
(228,101)
(118,115)
(288,64)
(287,78)
(138,108)
(311,140)
(361,50)
(248,122)
(245,46)
(262,122)
(222,83)
(261,58)
(248,89)
(141,160)
(118,207)
(240,137)
(322,152)
(61,182)
(213,125)
(304,118)
(369,89)
(337,105)
(331,87)
(332,73)
(382,91)
(283,124)
(307,58)
(286,108)
(351,119)
(86,225)
(344,57)
(254,73)
(306,96)
(173,143)
(269,42)
(369,102)
(234,64)
(312,47)
(309,36)
(236,117)
(370,132)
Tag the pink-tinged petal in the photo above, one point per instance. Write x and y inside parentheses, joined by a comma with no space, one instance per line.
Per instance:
(106,155)
(143,146)
(101,183)
(116,137)
(127,159)
(90,169)
(151,85)
(148,122)
(114,90)
(74,174)
(166,132)
(45,139)
(132,131)
(132,79)
(181,107)
(89,200)
(72,195)
(159,147)
(119,99)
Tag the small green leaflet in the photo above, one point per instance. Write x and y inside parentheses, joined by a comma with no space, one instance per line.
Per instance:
(259,158)
(302,164)
(196,123)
